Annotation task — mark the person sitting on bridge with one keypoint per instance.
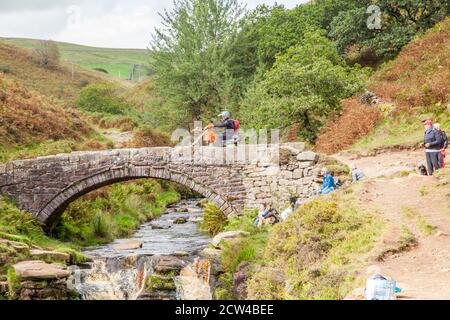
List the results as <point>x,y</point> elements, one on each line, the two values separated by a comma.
<point>328,182</point>
<point>230,135</point>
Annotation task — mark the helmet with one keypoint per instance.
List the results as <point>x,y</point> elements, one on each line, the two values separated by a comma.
<point>225,115</point>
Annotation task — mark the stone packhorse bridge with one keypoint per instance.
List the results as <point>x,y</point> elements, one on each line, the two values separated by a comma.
<point>47,185</point>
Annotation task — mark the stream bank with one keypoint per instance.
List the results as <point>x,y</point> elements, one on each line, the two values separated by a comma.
<point>166,259</point>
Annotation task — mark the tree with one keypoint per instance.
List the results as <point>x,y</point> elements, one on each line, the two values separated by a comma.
<point>46,54</point>
<point>400,21</point>
<point>304,86</point>
<point>190,56</point>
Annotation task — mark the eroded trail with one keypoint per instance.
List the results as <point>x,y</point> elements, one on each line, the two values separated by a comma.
<point>415,250</point>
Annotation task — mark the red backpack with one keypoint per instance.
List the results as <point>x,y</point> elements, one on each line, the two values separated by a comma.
<point>237,125</point>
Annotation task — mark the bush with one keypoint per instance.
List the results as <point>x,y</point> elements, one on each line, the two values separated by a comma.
<point>214,220</point>
<point>101,70</point>
<point>102,98</point>
<point>5,69</point>
<point>17,221</point>
<point>46,54</point>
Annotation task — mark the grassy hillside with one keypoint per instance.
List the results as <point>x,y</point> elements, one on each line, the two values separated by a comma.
<point>15,64</point>
<point>412,87</point>
<point>118,62</point>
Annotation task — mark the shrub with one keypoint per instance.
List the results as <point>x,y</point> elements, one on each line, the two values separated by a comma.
<point>214,220</point>
<point>5,69</point>
<point>17,221</point>
<point>102,98</point>
<point>147,137</point>
<point>46,54</point>
<point>101,70</point>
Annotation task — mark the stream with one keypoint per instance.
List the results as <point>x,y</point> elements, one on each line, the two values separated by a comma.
<point>165,249</point>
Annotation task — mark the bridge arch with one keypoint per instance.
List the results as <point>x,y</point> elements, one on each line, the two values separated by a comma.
<point>53,210</point>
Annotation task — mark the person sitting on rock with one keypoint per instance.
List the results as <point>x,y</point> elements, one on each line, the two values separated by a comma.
<point>328,182</point>
<point>262,211</point>
<point>357,174</point>
<point>269,217</point>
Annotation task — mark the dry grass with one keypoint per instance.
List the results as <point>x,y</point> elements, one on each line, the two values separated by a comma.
<point>145,138</point>
<point>28,117</point>
<point>56,82</point>
<point>416,82</point>
<point>355,121</point>
<point>420,75</point>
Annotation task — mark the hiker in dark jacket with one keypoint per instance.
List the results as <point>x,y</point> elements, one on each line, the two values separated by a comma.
<point>228,124</point>
<point>432,142</point>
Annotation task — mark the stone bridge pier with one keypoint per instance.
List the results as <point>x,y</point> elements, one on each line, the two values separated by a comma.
<point>232,178</point>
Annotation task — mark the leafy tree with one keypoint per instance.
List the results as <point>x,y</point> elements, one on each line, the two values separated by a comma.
<point>103,98</point>
<point>190,56</point>
<point>400,21</point>
<point>304,86</point>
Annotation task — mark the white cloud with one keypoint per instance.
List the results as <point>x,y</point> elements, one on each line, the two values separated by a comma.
<point>103,23</point>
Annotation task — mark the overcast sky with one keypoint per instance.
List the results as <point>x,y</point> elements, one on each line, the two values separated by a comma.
<point>101,23</point>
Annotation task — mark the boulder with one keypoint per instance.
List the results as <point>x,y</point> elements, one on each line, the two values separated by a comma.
<point>160,227</point>
<point>4,288</point>
<point>128,245</point>
<point>211,254</point>
<point>228,236</point>
<point>42,254</point>
<point>16,246</point>
<point>40,270</point>
<point>169,264</point>
<point>308,156</point>
<point>181,220</point>
<point>240,278</point>
<point>293,148</point>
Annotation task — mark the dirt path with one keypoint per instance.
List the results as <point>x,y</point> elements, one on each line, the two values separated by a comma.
<point>119,138</point>
<point>411,204</point>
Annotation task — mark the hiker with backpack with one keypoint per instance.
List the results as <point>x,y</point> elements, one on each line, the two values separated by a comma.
<point>444,144</point>
<point>231,133</point>
<point>433,142</point>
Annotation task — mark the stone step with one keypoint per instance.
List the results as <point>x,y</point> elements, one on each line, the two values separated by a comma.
<point>159,296</point>
<point>42,254</point>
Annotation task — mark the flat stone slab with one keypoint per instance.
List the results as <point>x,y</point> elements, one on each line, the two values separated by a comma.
<point>128,245</point>
<point>211,254</point>
<point>39,270</point>
<point>42,254</point>
<point>227,236</point>
<point>308,156</point>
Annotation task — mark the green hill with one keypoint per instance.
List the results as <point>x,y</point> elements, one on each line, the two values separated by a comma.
<point>117,62</point>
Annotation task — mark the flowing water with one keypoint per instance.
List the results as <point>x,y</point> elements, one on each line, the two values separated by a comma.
<point>118,270</point>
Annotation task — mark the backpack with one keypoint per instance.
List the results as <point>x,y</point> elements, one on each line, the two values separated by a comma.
<point>445,138</point>
<point>237,125</point>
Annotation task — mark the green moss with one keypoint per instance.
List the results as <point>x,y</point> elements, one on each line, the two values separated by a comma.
<point>14,283</point>
<point>159,283</point>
